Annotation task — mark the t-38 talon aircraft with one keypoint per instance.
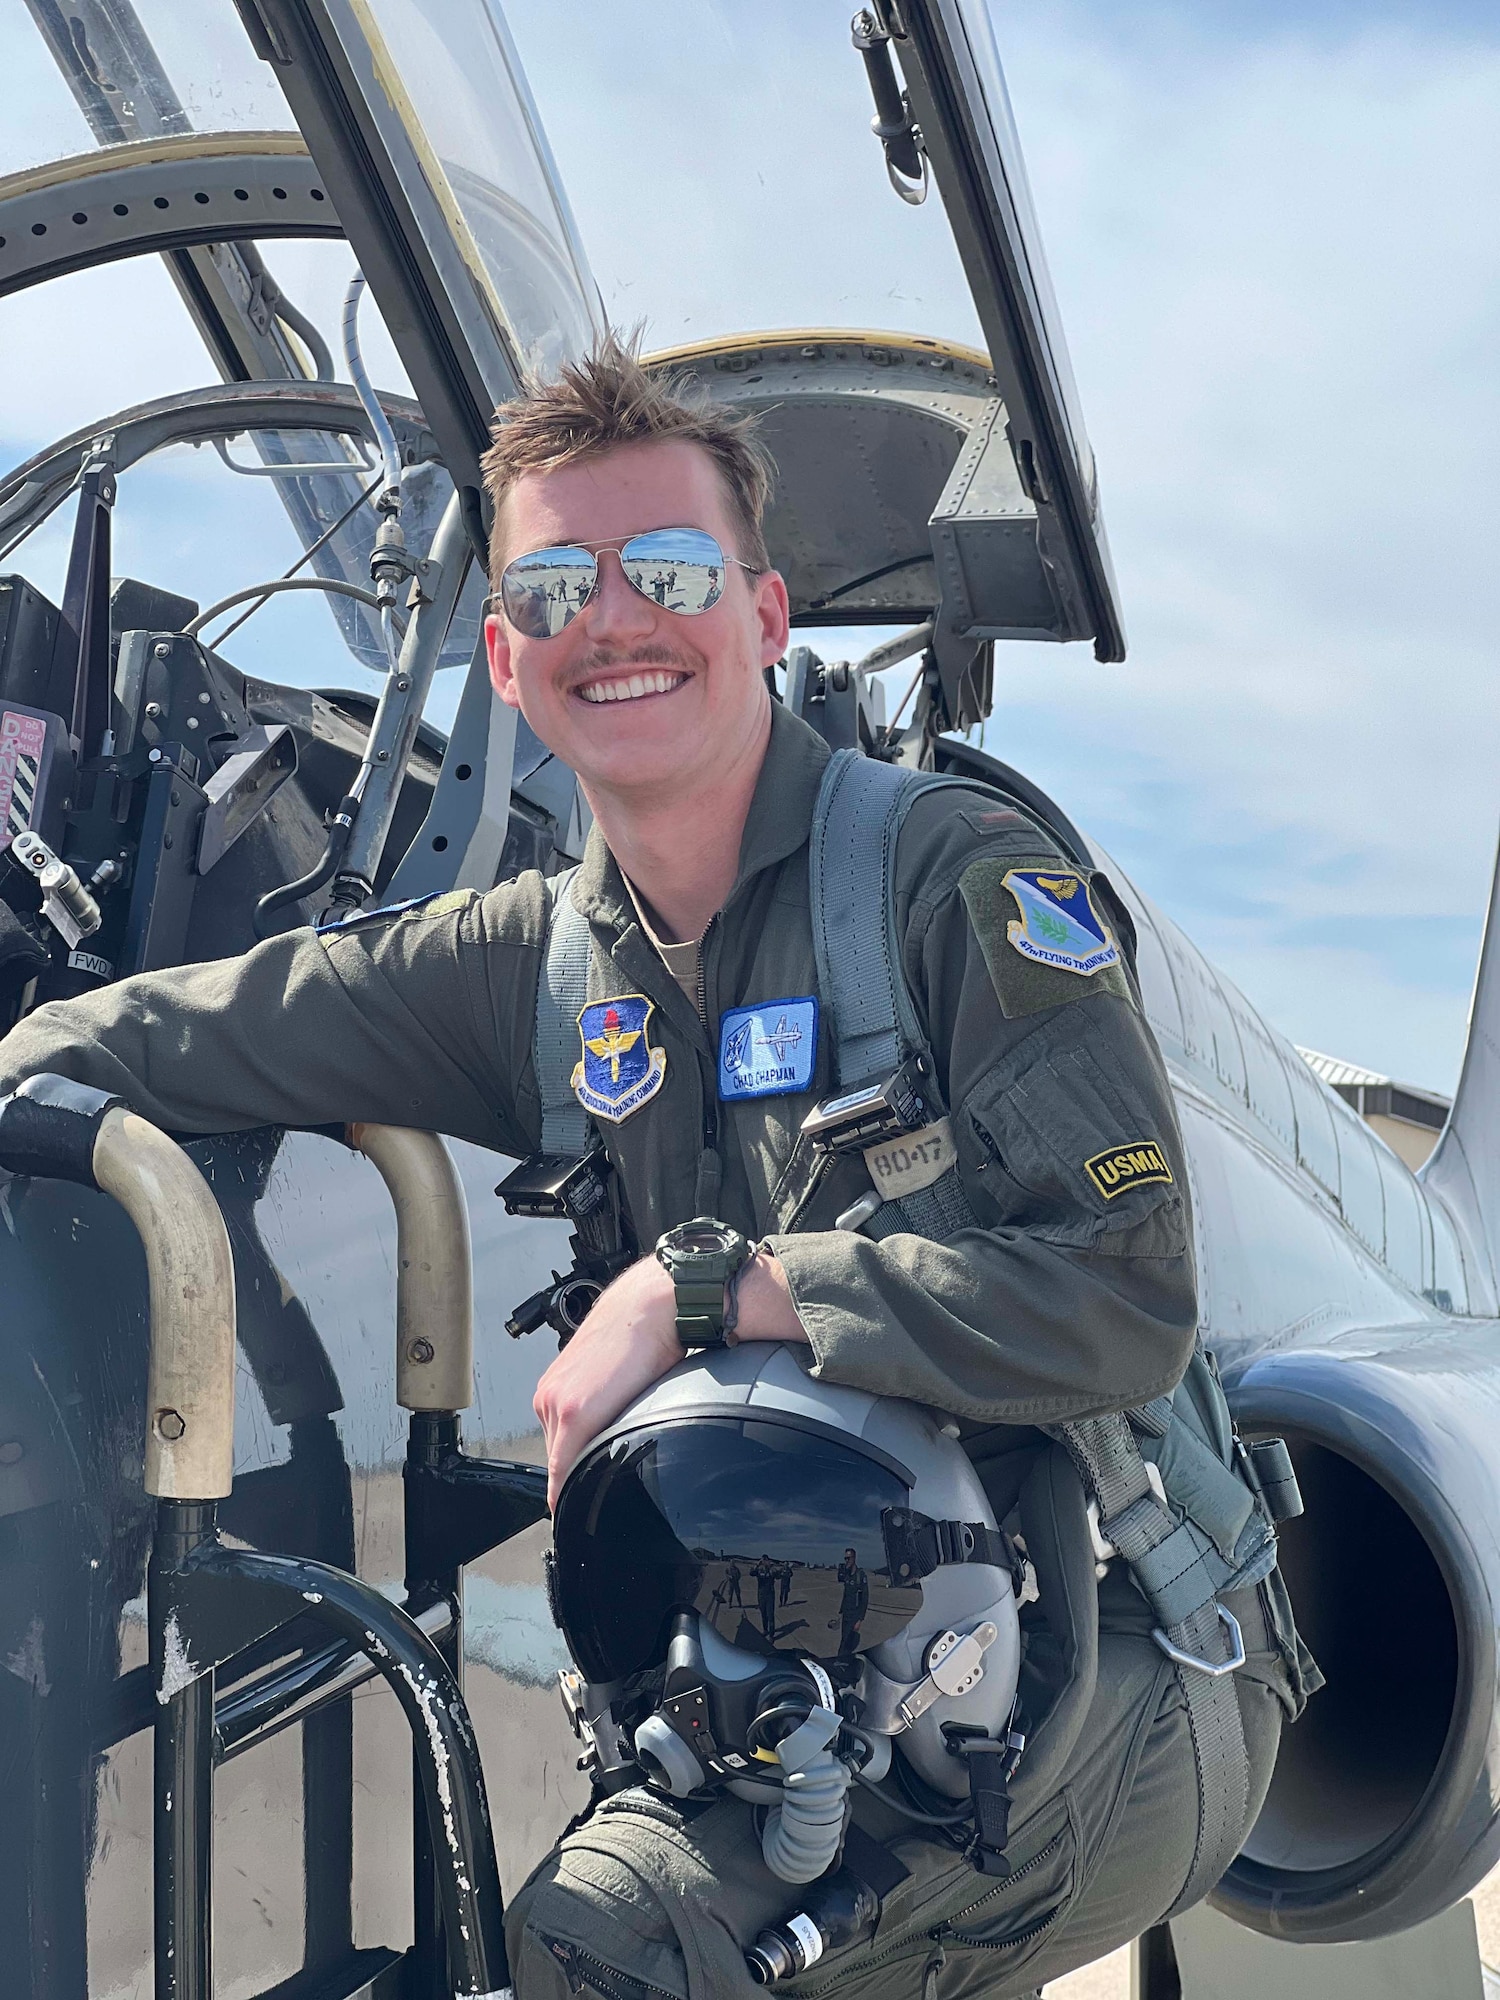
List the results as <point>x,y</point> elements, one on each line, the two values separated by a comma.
<point>936,481</point>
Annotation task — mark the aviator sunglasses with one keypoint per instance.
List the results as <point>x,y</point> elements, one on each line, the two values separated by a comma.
<point>681,569</point>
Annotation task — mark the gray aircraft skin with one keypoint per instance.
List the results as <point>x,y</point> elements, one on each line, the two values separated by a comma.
<point>1351,1305</point>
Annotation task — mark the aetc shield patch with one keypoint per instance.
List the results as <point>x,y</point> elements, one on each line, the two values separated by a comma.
<point>769,1050</point>
<point>620,1070</point>
<point>1059,924</point>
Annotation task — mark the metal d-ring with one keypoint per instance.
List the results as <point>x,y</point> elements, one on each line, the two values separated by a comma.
<point>1215,1669</point>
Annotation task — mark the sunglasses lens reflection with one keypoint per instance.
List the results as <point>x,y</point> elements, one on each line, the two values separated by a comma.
<point>681,569</point>
<point>544,591</point>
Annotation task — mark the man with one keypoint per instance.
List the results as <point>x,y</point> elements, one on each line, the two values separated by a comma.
<point>765,1596</point>
<point>854,1601</point>
<point>1063,1301</point>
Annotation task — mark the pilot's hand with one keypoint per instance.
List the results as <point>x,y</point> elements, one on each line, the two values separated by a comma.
<point>625,1344</point>
<point>628,1342</point>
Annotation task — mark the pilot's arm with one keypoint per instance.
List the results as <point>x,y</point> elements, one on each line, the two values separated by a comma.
<point>1075,1293</point>
<point>419,1017</point>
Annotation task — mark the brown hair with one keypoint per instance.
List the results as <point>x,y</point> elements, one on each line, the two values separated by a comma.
<point>609,399</point>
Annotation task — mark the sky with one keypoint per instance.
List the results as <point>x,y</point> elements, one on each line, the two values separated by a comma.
<point>1272,235</point>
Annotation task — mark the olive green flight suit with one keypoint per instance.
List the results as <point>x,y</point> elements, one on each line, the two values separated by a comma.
<point>1073,1297</point>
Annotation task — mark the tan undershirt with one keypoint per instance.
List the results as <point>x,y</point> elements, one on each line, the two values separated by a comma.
<point>681,960</point>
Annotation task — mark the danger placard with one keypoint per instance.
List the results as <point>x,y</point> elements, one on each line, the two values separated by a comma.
<point>23,738</point>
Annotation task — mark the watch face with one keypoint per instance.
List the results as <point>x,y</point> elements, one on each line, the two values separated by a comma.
<point>700,1238</point>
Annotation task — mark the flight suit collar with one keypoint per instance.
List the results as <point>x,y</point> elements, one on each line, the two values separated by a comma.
<point>776,825</point>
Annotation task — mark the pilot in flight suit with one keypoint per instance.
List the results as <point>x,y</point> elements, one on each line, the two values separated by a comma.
<point>1070,1295</point>
<point>1067,1301</point>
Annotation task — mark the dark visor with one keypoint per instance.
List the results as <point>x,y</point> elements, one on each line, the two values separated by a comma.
<point>774,1535</point>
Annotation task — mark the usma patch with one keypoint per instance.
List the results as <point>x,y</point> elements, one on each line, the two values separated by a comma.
<point>769,1050</point>
<point>1059,925</point>
<point>1125,1167</point>
<point>620,1070</point>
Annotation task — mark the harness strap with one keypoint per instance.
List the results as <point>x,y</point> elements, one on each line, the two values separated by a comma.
<point>860,809</point>
<point>936,1212</point>
<point>990,1766</point>
<point>861,804</point>
<point>851,854</point>
<point>1142,1530</point>
<point>561,995</point>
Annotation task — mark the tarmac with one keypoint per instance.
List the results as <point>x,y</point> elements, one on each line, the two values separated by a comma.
<point>1109,1978</point>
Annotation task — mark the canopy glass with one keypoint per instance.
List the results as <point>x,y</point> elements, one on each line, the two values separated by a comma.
<point>720,160</point>
<point>457,85</point>
<point>727,181</point>
<point>100,72</point>
<point>725,177</point>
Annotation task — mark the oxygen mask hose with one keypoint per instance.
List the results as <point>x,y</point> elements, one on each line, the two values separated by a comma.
<point>802,1834</point>
<point>340,826</point>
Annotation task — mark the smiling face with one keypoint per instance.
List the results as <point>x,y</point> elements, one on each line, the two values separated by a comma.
<point>634,697</point>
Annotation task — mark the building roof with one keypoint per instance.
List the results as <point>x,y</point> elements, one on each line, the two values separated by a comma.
<point>1410,1101</point>
<point>1335,1072</point>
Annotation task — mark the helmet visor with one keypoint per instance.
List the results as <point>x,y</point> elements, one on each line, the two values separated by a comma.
<point>774,1535</point>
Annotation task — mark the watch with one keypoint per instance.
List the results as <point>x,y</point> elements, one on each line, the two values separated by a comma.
<point>703,1258</point>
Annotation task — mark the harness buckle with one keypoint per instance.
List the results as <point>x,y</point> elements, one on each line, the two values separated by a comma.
<point>557,1187</point>
<point>904,1101</point>
<point>1215,1669</point>
<point>1104,1549</point>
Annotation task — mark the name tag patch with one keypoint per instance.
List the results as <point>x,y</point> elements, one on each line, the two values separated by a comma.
<point>1125,1167</point>
<point>914,1161</point>
<point>620,1070</point>
<point>769,1050</point>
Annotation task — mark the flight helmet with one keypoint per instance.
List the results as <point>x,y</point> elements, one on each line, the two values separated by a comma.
<point>753,1520</point>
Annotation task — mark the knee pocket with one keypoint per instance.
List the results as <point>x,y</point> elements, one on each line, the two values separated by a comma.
<point>949,1931</point>
<point>588,1922</point>
<point>628,1899</point>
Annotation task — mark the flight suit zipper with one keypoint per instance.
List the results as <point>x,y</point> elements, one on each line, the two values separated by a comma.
<point>939,1933</point>
<point>581,1969</point>
<point>702,974</point>
<point>709,1178</point>
<point>820,1167</point>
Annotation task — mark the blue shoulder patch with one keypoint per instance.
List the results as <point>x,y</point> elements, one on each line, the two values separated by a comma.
<point>769,1050</point>
<point>1059,925</point>
<point>620,1069</point>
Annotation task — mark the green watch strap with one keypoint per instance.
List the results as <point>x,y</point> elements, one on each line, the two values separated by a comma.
<point>701,1273</point>
<point>700,1310</point>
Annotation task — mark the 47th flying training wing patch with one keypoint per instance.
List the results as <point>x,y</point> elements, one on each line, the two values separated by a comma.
<point>1044,939</point>
<point>1059,924</point>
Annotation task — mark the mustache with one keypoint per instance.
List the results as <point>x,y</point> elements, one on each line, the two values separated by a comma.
<point>600,659</point>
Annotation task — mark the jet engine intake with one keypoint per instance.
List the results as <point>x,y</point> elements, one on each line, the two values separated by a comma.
<point>1380,1812</point>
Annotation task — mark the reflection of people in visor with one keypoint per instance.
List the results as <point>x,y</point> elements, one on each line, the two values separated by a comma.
<point>786,1582</point>
<point>854,1603</point>
<point>765,1592</point>
<point>733,1581</point>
